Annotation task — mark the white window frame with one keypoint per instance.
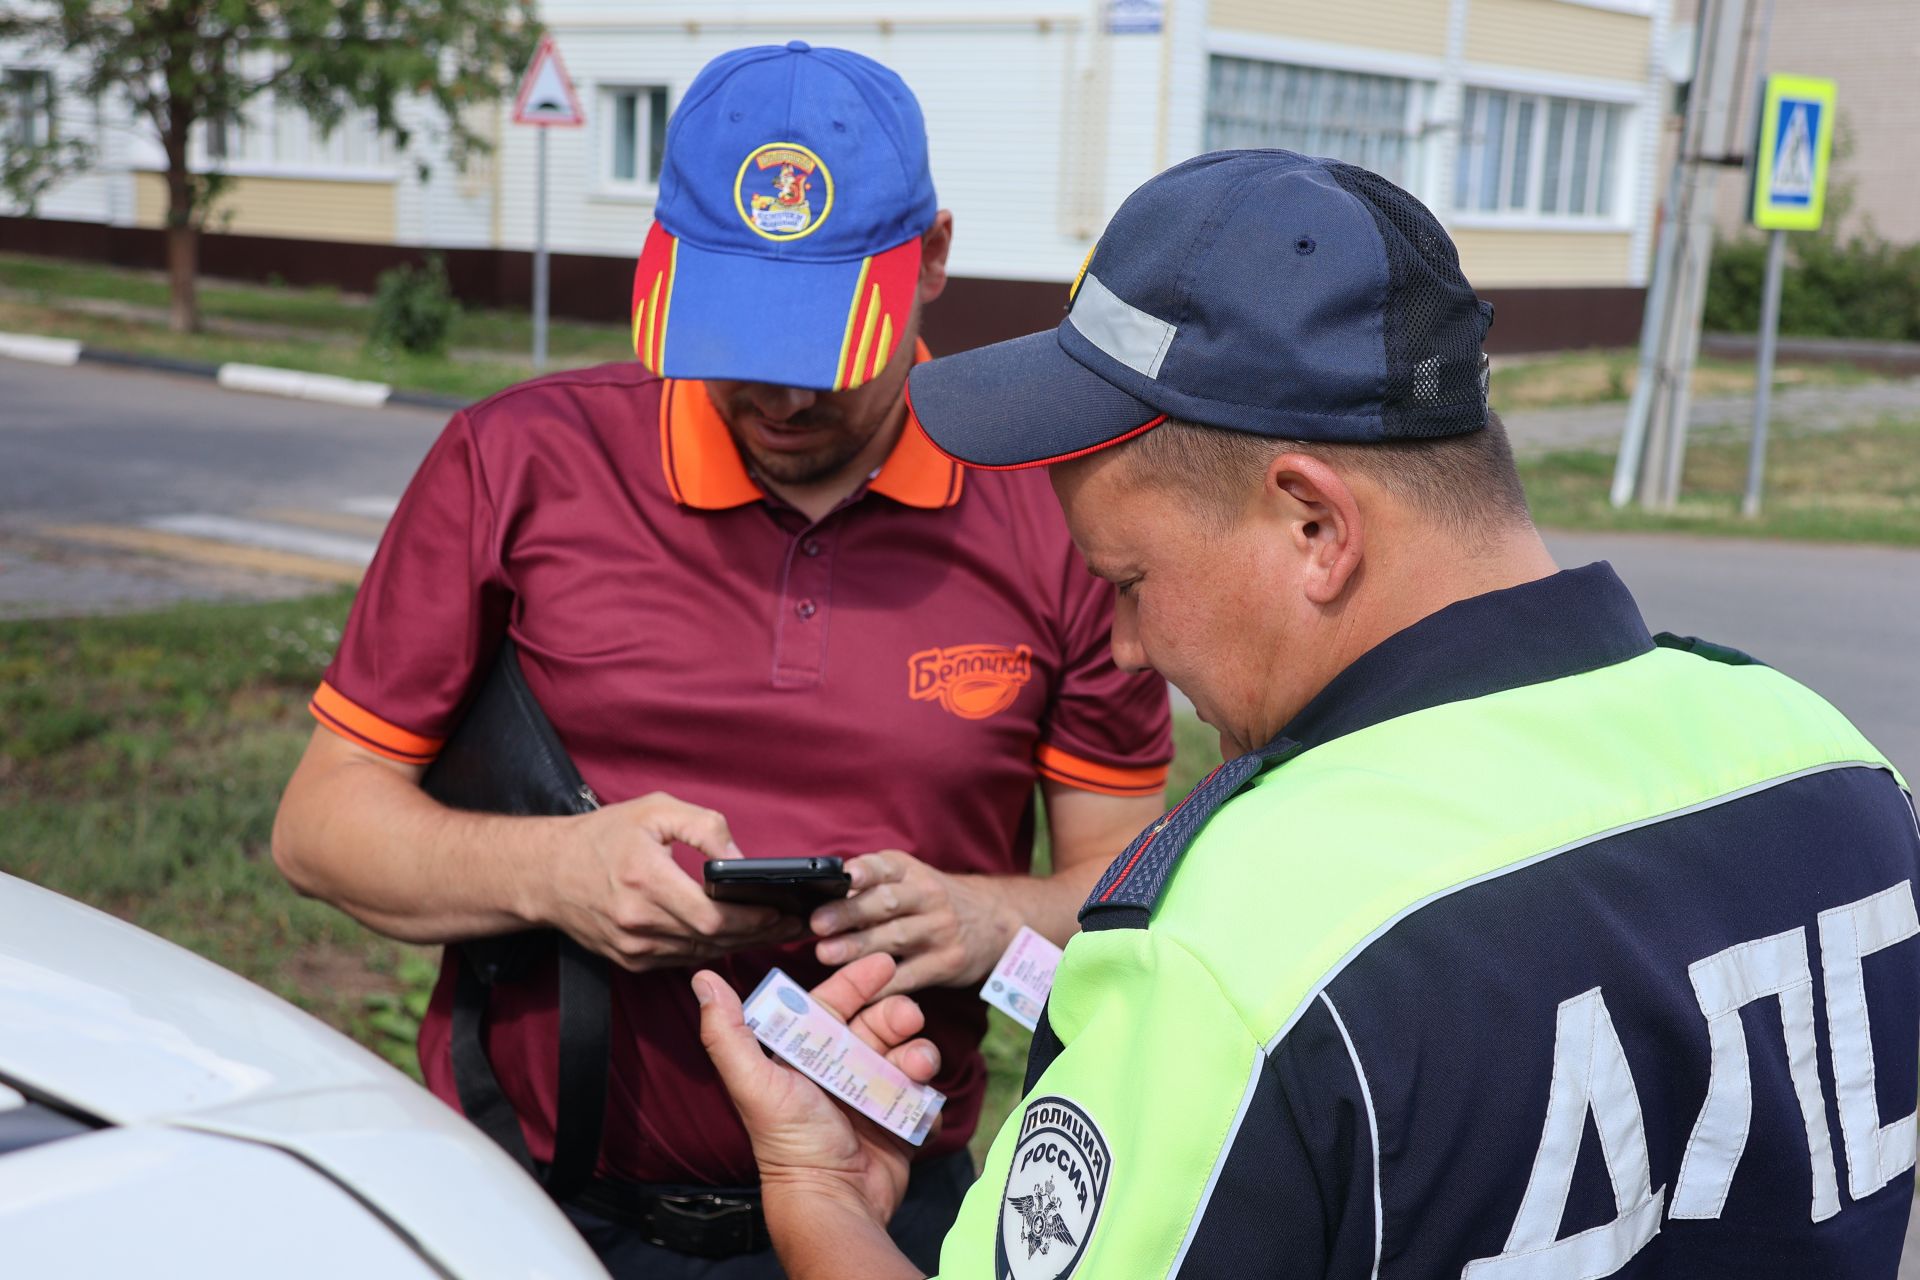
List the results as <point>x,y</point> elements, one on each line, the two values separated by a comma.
<point>1616,217</point>
<point>644,186</point>
<point>1640,8</point>
<point>1421,75</point>
<point>258,145</point>
<point>270,138</point>
<point>43,114</point>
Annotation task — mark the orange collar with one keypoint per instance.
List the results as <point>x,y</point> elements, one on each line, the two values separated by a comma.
<point>704,469</point>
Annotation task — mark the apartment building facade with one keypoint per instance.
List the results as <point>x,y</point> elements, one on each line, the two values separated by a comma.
<point>1532,127</point>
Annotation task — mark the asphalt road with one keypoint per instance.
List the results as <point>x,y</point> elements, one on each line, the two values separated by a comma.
<point>122,489</point>
<point>1844,621</point>
<point>94,443</point>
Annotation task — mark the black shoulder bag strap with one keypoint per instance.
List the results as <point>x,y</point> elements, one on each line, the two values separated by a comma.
<point>506,758</point>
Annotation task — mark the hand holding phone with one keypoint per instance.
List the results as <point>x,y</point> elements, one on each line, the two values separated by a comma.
<point>793,886</point>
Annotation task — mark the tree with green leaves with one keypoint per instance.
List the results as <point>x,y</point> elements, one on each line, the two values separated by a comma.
<point>182,64</point>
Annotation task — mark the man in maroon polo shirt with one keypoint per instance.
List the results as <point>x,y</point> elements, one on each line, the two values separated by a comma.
<point>765,615</point>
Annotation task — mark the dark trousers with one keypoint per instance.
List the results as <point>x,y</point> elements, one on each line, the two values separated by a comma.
<point>934,1192</point>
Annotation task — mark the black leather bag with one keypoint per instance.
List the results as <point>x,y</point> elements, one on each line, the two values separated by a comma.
<point>506,758</point>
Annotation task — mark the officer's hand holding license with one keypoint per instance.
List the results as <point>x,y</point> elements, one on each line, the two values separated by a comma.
<point>617,890</point>
<point>945,930</point>
<point>811,1150</point>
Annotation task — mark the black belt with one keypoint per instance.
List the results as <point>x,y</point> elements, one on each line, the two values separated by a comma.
<point>704,1222</point>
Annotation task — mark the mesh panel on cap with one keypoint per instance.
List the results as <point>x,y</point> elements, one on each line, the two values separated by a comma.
<point>1433,321</point>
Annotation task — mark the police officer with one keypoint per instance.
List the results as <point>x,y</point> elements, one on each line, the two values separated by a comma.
<point>1511,941</point>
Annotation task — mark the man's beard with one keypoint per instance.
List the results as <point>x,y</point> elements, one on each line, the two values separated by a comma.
<point>838,449</point>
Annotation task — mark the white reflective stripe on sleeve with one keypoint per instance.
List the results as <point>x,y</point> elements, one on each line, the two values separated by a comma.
<point>1723,983</point>
<point>1128,334</point>
<point>1875,1155</point>
<point>1373,1127</point>
<point>1590,1072</point>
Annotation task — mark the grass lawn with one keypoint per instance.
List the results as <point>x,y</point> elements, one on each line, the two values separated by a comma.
<point>1592,377</point>
<point>467,380</point>
<point>57,298</point>
<point>1854,485</point>
<point>323,309</point>
<point>141,758</point>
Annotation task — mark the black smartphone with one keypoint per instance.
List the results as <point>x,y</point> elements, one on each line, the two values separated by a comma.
<point>793,885</point>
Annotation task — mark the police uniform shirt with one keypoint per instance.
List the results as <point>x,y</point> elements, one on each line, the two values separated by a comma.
<point>1534,947</point>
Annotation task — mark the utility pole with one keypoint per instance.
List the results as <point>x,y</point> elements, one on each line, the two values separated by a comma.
<point>1654,443</point>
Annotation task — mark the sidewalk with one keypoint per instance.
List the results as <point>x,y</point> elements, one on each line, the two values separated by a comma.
<point>1588,426</point>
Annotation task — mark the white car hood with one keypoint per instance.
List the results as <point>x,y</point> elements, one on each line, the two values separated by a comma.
<point>113,1021</point>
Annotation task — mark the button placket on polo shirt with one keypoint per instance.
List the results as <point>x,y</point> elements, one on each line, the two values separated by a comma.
<point>802,612</point>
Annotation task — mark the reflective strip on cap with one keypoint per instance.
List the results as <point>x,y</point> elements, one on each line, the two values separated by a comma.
<point>1122,330</point>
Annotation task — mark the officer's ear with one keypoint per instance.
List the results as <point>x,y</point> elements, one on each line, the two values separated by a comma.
<point>933,256</point>
<point>1322,523</point>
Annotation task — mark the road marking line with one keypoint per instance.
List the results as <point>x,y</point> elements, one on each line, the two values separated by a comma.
<point>377,505</point>
<point>268,537</point>
<point>27,346</point>
<point>331,521</point>
<point>303,386</point>
<point>206,551</point>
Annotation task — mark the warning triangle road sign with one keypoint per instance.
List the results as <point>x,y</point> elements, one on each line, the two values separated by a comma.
<point>546,95</point>
<point>1793,162</point>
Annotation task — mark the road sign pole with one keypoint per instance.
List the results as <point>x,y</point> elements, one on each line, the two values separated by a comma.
<point>546,101</point>
<point>1763,374</point>
<point>540,256</point>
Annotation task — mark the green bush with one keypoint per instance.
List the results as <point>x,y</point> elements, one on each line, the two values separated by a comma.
<point>413,310</point>
<point>1861,287</point>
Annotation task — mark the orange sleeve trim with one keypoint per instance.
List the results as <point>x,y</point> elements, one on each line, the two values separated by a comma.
<point>356,724</point>
<point>1065,767</point>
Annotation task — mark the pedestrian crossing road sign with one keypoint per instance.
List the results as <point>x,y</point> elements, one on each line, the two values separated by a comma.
<point>1790,153</point>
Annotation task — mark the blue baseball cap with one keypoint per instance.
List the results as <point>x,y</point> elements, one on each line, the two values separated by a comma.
<point>1257,291</point>
<point>785,246</point>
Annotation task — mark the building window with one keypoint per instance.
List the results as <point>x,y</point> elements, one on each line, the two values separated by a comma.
<point>636,134</point>
<point>1525,154</point>
<point>275,138</point>
<point>28,115</point>
<point>1368,120</point>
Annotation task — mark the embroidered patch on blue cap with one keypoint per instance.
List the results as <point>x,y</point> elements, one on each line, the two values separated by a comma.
<point>783,191</point>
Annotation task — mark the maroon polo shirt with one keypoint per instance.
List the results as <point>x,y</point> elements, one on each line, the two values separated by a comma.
<point>897,674</point>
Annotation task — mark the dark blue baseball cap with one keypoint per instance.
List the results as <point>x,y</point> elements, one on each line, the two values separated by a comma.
<point>786,242</point>
<point>1259,291</point>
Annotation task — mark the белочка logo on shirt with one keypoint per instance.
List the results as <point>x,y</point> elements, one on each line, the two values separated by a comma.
<point>973,681</point>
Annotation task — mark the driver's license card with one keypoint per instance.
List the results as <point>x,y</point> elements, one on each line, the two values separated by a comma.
<point>1019,984</point>
<point>789,1021</point>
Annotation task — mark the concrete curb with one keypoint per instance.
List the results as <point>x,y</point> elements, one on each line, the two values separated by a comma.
<point>302,386</point>
<point>1880,356</point>
<point>297,384</point>
<point>25,346</point>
